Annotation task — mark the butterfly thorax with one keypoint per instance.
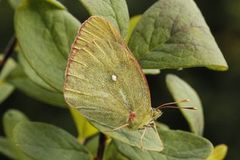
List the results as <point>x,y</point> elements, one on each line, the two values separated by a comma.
<point>156,113</point>
<point>140,121</point>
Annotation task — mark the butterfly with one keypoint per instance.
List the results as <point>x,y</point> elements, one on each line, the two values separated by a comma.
<point>105,83</point>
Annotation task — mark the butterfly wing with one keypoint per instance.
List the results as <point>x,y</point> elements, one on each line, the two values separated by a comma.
<point>104,82</point>
<point>96,28</point>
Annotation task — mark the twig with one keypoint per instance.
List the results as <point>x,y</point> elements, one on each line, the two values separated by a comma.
<point>8,51</point>
<point>101,146</point>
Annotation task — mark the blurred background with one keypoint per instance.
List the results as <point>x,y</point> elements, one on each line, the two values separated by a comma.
<point>219,91</point>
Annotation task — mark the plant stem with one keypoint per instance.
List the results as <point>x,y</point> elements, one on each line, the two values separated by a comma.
<point>8,51</point>
<point>101,146</point>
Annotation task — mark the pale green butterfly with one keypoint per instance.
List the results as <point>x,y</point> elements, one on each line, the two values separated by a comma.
<point>105,83</point>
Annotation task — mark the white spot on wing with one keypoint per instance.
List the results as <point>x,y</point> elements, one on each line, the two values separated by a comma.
<point>114,77</point>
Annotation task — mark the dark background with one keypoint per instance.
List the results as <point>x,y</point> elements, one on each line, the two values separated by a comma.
<point>219,91</point>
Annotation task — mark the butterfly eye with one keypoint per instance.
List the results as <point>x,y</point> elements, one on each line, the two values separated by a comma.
<point>114,77</point>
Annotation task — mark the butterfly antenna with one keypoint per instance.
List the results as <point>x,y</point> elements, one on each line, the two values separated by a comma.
<point>171,105</point>
<point>191,108</point>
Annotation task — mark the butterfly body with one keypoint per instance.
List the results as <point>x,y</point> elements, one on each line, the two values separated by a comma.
<point>135,122</point>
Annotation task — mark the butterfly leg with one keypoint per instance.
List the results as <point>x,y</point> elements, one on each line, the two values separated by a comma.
<point>155,127</point>
<point>142,136</point>
<point>120,127</point>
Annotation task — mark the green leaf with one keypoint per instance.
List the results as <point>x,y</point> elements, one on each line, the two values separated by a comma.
<point>115,11</point>
<point>181,90</point>
<point>178,145</point>
<point>14,3</point>
<point>132,24</point>
<point>174,34</point>
<point>111,153</point>
<point>10,119</point>
<point>45,32</point>
<point>151,71</point>
<point>6,88</point>
<point>31,73</point>
<point>8,67</point>
<point>46,142</point>
<point>162,126</point>
<point>151,140</point>
<point>85,129</point>
<point>219,152</point>
<point>20,80</point>
<point>6,148</point>
<point>92,144</point>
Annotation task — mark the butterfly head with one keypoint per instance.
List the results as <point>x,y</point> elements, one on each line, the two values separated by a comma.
<point>156,113</point>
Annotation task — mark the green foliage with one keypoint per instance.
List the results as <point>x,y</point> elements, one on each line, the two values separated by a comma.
<point>50,40</point>
<point>177,145</point>
<point>181,90</point>
<point>10,119</point>
<point>85,129</point>
<point>91,144</point>
<point>171,34</point>
<point>219,152</point>
<point>151,140</point>
<point>14,3</point>
<point>132,25</point>
<point>6,88</point>
<point>20,80</point>
<point>46,142</point>
<point>112,153</point>
<point>151,71</point>
<point>6,148</point>
<point>115,11</point>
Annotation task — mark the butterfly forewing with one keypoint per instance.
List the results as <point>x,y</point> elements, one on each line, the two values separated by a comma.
<point>105,83</point>
<point>96,28</point>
